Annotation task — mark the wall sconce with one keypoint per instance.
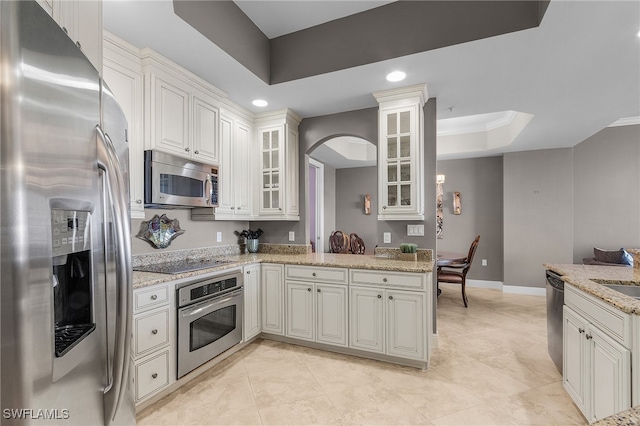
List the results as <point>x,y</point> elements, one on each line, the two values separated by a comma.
<point>457,208</point>
<point>367,204</point>
<point>439,178</point>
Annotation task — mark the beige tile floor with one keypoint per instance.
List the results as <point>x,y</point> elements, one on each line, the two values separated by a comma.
<point>491,368</point>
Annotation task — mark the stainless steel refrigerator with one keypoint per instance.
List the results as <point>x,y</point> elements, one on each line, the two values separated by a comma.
<point>65,289</point>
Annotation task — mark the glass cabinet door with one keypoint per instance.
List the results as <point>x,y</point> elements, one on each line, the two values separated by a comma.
<point>271,169</point>
<point>398,159</point>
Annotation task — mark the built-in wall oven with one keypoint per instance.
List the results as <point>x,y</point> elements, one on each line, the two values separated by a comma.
<point>209,319</point>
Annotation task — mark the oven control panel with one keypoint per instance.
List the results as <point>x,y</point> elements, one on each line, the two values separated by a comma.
<point>206,289</point>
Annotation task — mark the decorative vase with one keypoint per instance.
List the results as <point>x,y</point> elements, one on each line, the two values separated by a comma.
<point>252,245</point>
<point>408,256</point>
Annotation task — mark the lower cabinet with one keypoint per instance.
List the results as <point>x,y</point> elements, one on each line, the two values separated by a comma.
<point>317,312</point>
<point>386,321</point>
<point>151,346</point>
<point>251,326</point>
<point>272,298</point>
<point>596,367</point>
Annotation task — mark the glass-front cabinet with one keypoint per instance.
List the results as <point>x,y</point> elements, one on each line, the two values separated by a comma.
<point>271,170</point>
<point>401,154</point>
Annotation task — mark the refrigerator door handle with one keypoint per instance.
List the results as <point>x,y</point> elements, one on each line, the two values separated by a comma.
<point>116,188</point>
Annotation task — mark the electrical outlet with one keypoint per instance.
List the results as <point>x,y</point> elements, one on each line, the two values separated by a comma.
<point>218,237</point>
<point>292,235</point>
<point>484,262</point>
<point>387,237</point>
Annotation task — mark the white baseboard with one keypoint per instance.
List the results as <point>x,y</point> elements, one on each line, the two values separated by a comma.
<point>513,289</point>
<point>434,340</point>
<point>531,291</point>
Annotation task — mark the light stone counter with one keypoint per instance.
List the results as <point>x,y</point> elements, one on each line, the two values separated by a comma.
<point>583,276</point>
<point>356,261</point>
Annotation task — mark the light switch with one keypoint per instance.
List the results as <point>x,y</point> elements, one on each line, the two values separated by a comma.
<point>415,230</point>
<point>292,235</point>
<point>219,237</point>
<point>387,237</point>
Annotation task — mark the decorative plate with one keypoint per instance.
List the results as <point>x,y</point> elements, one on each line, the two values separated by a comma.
<point>159,231</point>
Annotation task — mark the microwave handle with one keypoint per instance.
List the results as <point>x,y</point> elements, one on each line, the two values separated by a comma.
<point>207,193</point>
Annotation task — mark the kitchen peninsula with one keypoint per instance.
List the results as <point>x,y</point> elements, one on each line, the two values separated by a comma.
<point>600,334</point>
<point>370,306</point>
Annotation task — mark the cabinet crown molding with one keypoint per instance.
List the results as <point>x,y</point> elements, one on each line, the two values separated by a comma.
<point>286,115</point>
<point>418,91</point>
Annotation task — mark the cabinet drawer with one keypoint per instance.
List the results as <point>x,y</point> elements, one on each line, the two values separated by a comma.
<point>612,321</point>
<point>317,274</point>
<point>150,331</point>
<point>388,279</point>
<point>151,375</point>
<point>152,297</point>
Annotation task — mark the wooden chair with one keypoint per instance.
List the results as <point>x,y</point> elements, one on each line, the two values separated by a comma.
<point>339,242</point>
<point>451,273</point>
<point>356,244</point>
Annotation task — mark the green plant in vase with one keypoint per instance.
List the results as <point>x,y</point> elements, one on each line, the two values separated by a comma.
<point>408,251</point>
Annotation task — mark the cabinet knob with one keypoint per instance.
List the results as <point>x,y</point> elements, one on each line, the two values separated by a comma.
<point>239,208</point>
<point>313,274</point>
<point>154,375</point>
<point>154,331</point>
<point>390,297</point>
<point>379,296</point>
<point>233,208</point>
<point>384,280</point>
<point>248,272</point>
<point>309,289</point>
<point>79,45</point>
<point>138,201</point>
<point>65,30</point>
<point>384,207</point>
<point>280,208</point>
<point>581,330</point>
<point>154,296</point>
<point>318,290</point>
<point>187,149</point>
<point>196,152</point>
<point>589,337</point>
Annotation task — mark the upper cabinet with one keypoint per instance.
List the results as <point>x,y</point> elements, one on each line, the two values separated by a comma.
<point>401,153</point>
<point>182,112</point>
<point>277,137</point>
<point>82,21</point>
<point>122,72</point>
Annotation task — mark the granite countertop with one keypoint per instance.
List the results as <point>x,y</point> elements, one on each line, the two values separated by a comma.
<point>630,417</point>
<point>356,261</point>
<point>584,277</point>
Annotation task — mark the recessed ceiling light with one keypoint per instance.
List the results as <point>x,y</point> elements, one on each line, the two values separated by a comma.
<point>396,76</point>
<point>638,34</point>
<point>260,103</point>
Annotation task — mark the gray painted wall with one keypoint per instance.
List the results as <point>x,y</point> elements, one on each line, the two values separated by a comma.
<point>538,214</point>
<point>350,187</point>
<point>329,204</point>
<point>479,181</point>
<point>606,172</point>
<point>197,234</point>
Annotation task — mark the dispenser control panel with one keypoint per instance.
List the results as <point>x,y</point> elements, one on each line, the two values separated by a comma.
<point>70,231</point>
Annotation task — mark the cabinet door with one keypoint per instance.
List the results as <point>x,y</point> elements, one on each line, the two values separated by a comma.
<point>574,358</point>
<point>47,5</point>
<point>273,298</point>
<point>226,184</point>
<point>366,323</point>
<point>205,130</point>
<point>406,324</point>
<point>331,314</point>
<point>292,172</point>
<point>241,162</point>
<point>610,375</point>
<point>299,318</point>
<point>126,85</point>
<point>171,118</point>
<point>251,326</point>
<point>88,32</point>
<point>271,166</point>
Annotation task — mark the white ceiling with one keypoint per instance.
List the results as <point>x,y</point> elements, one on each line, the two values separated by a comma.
<point>576,74</point>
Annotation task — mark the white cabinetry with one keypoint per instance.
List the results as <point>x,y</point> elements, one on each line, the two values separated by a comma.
<point>277,137</point>
<point>182,112</point>
<point>401,153</point>
<point>122,71</point>
<point>251,326</point>
<point>386,319</point>
<point>316,304</point>
<point>153,341</point>
<point>596,358</point>
<point>272,298</point>
<point>82,21</point>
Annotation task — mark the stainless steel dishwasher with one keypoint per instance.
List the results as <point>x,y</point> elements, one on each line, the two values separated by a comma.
<point>555,302</point>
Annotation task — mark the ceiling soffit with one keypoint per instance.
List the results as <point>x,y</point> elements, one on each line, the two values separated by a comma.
<point>390,31</point>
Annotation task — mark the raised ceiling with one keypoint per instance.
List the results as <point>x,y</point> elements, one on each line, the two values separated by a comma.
<point>576,73</point>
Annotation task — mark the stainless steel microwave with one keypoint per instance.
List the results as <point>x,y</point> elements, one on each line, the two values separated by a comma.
<point>174,182</point>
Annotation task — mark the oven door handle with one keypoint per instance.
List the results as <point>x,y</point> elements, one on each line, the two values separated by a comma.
<point>207,304</point>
